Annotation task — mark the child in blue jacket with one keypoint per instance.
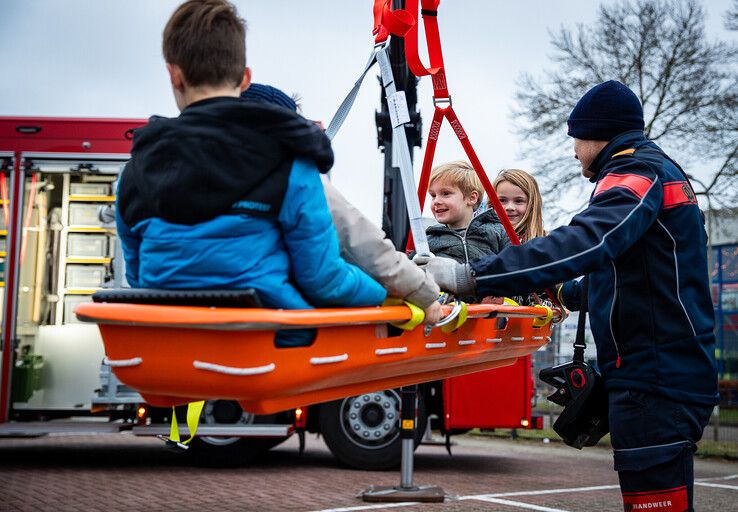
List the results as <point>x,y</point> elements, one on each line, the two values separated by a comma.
<point>228,194</point>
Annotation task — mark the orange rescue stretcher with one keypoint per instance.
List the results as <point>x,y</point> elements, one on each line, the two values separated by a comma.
<point>175,354</point>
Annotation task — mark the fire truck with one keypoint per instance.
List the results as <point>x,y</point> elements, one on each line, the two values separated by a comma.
<point>58,246</point>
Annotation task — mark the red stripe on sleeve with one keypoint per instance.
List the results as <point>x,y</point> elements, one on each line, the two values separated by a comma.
<point>678,193</point>
<point>636,183</point>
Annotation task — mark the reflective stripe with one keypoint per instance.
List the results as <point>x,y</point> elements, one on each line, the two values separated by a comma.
<point>678,193</point>
<point>676,275</point>
<point>636,183</point>
<point>675,443</point>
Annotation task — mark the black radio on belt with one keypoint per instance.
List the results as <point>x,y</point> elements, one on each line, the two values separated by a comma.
<point>580,391</point>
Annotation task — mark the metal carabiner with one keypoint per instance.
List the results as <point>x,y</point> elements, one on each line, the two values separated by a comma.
<point>445,320</point>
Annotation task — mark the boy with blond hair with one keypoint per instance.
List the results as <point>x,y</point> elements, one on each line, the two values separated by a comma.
<point>228,194</point>
<point>463,233</point>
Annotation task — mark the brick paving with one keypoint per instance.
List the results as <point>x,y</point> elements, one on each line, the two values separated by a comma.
<point>120,472</point>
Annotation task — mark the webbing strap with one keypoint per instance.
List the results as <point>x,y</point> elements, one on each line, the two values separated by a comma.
<point>194,409</point>
<point>580,342</point>
<point>441,97</point>
<point>343,110</point>
<point>417,315</point>
<point>540,322</point>
<point>447,112</point>
<point>387,21</point>
<point>399,117</point>
<point>433,41</point>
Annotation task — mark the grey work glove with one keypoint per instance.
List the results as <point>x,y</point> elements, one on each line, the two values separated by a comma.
<point>451,276</point>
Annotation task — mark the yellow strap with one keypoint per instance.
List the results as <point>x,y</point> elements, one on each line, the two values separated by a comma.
<point>509,302</point>
<point>463,314</point>
<point>194,409</point>
<point>540,322</point>
<point>624,152</point>
<point>417,315</point>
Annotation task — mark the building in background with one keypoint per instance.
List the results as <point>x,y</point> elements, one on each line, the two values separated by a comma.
<point>723,225</point>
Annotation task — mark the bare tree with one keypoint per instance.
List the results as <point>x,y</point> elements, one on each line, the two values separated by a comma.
<point>687,84</point>
<point>731,17</point>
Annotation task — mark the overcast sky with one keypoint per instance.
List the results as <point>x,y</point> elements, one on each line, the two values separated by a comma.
<point>102,58</point>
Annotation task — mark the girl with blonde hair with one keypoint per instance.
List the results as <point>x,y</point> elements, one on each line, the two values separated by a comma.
<point>520,197</point>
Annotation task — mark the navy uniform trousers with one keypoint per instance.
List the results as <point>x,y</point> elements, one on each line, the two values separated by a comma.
<point>654,440</point>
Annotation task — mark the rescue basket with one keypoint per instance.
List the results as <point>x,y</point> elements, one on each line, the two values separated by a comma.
<point>175,354</point>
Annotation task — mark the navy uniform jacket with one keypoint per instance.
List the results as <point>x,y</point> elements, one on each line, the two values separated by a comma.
<point>643,243</point>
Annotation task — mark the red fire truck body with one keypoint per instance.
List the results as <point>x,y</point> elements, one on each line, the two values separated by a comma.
<point>56,177</point>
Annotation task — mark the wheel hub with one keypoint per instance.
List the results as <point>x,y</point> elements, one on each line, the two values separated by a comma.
<point>371,420</point>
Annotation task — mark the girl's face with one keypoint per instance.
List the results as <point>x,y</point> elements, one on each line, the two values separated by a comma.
<point>514,201</point>
<point>449,206</point>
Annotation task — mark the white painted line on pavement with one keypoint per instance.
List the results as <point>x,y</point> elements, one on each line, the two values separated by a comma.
<point>370,507</point>
<point>729,477</point>
<point>721,486</point>
<point>495,498</point>
<point>546,491</point>
<point>519,504</point>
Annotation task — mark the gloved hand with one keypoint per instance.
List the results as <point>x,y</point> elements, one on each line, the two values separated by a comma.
<point>451,276</point>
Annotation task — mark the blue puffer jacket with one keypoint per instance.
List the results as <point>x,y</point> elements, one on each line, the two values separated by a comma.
<point>228,195</point>
<point>643,243</point>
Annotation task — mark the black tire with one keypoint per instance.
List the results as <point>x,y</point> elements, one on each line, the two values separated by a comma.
<point>230,451</point>
<point>364,441</point>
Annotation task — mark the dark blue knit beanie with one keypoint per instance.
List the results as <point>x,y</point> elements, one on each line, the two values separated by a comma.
<point>261,93</point>
<point>606,110</point>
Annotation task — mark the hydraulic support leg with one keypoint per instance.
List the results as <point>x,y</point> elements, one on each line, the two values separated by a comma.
<point>406,491</point>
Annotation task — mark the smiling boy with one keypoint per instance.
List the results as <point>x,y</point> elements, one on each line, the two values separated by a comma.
<point>462,233</point>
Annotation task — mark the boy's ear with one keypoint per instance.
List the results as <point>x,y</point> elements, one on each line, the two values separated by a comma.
<point>176,77</point>
<point>246,79</point>
<point>473,198</point>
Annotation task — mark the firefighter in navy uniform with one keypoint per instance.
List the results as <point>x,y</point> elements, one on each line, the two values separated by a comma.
<point>642,242</point>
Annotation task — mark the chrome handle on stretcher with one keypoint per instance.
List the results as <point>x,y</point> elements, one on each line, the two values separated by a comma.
<point>450,317</point>
<point>455,311</point>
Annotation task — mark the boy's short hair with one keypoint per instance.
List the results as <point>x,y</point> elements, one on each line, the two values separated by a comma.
<point>461,174</point>
<point>207,40</point>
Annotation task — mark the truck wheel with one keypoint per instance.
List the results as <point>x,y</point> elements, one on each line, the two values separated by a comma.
<point>210,451</point>
<point>363,431</point>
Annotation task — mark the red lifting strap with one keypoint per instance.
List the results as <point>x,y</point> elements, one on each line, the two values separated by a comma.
<point>429,12</point>
<point>440,96</point>
<point>387,21</point>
